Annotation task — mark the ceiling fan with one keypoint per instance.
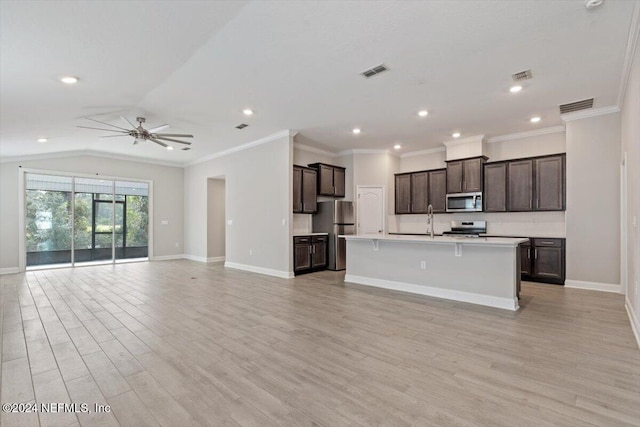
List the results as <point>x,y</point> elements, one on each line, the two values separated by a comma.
<point>141,134</point>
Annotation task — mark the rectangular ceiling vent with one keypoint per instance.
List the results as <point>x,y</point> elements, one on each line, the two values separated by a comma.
<point>522,75</point>
<point>375,70</point>
<point>242,126</point>
<point>576,106</point>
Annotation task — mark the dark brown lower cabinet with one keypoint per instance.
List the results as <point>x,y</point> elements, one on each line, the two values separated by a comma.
<point>543,260</point>
<point>309,253</point>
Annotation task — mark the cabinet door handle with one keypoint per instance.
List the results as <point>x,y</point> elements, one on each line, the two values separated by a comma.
<point>535,253</point>
<point>537,203</point>
<point>529,253</point>
<point>309,249</point>
<point>530,204</point>
<point>546,243</point>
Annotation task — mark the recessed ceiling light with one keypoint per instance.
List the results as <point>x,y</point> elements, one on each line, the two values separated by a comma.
<point>42,139</point>
<point>356,131</point>
<point>169,148</point>
<point>456,134</point>
<point>247,111</point>
<point>535,119</point>
<point>69,80</point>
<point>397,146</point>
<point>515,89</point>
<point>423,113</point>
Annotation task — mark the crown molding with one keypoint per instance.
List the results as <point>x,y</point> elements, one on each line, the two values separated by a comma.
<point>631,51</point>
<point>315,150</point>
<point>526,134</point>
<point>93,153</point>
<point>361,151</point>
<point>423,152</point>
<point>592,112</point>
<point>475,138</point>
<point>283,133</point>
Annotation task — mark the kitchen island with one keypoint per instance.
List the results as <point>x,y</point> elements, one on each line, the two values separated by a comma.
<point>482,270</point>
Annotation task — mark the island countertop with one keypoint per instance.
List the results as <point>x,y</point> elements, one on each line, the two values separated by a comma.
<point>440,240</point>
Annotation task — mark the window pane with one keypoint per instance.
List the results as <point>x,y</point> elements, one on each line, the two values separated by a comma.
<point>48,227</point>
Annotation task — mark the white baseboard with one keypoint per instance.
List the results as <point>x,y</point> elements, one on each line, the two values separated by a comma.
<point>9,270</point>
<point>594,286</point>
<point>497,302</point>
<point>260,270</point>
<point>167,257</point>
<point>635,323</point>
<point>194,258</point>
<point>216,259</point>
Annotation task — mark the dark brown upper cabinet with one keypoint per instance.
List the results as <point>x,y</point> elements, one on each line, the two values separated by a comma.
<point>535,184</point>
<point>416,190</point>
<point>419,192</point>
<point>465,176</point>
<point>550,183</point>
<point>403,193</point>
<point>438,190</point>
<point>520,185</point>
<point>331,179</point>
<point>495,187</point>
<point>304,190</point>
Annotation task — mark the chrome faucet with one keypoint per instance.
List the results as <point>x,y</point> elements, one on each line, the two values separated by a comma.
<point>430,220</point>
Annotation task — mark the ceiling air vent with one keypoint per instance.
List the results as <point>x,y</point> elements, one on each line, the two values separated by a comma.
<point>375,70</point>
<point>576,106</point>
<point>522,75</point>
<point>242,126</point>
<point>186,149</point>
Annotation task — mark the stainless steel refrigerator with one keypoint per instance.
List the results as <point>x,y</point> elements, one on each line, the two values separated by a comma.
<point>335,217</point>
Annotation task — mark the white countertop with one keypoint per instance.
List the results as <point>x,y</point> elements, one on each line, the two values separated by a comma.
<point>309,234</point>
<point>440,240</point>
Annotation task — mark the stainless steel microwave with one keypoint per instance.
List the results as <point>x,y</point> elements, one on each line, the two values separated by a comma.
<point>464,202</point>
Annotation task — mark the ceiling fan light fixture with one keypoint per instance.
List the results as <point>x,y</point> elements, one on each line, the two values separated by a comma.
<point>247,112</point>
<point>169,148</point>
<point>42,140</point>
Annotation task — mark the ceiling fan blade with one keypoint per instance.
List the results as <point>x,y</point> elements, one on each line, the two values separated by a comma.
<point>186,149</point>
<point>105,123</point>
<point>172,140</point>
<point>106,130</point>
<point>157,128</point>
<point>113,136</point>
<point>181,135</point>
<point>130,124</point>
<point>158,142</point>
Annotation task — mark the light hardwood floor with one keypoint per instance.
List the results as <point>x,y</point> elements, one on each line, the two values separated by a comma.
<point>180,343</point>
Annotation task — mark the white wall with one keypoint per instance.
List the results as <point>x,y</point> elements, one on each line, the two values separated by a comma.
<point>630,124</point>
<point>216,224</point>
<point>167,198</point>
<point>593,200</point>
<point>530,224</point>
<point>258,199</point>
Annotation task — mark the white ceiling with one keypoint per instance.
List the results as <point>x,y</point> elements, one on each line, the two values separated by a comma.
<point>197,64</point>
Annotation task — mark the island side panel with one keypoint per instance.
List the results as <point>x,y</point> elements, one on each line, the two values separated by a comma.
<point>485,275</point>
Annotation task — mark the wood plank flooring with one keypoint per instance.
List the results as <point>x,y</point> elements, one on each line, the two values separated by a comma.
<point>180,343</point>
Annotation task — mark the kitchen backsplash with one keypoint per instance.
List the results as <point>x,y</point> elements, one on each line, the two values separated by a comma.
<point>527,224</point>
<point>302,223</point>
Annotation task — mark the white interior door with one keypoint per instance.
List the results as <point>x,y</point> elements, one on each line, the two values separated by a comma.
<point>370,210</point>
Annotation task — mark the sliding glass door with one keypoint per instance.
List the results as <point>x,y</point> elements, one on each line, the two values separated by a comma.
<point>80,221</point>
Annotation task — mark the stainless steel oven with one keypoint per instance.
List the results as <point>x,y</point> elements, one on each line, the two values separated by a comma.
<point>464,202</point>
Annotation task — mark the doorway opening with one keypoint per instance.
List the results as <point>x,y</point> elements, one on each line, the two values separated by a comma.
<point>216,219</point>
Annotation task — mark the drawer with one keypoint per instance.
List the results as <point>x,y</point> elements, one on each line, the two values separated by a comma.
<point>316,239</point>
<point>551,243</point>
<point>300,240</point>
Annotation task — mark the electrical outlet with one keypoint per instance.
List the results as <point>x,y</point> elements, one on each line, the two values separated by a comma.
<point>250,251</point>
<point>423,265</point>
<point>635,222</point>
<point>177,244</point>
<point>230,222</point>
<point>164,222</point>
